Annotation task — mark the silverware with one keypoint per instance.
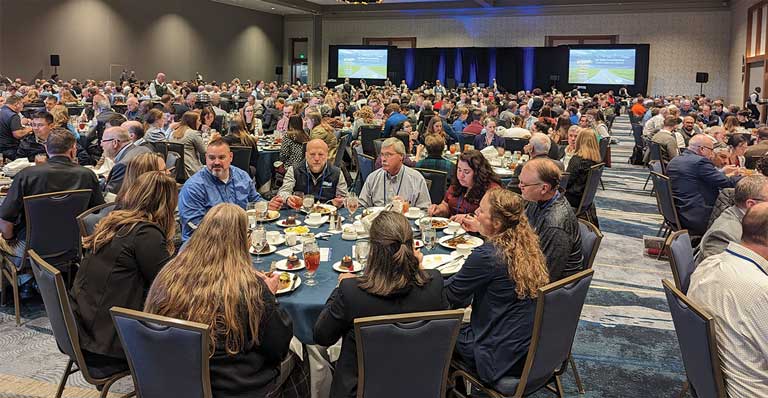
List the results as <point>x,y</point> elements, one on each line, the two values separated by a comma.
<point>449,262</point>
<point>293,282</point>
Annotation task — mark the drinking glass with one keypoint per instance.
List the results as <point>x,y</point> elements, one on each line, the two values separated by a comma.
<point>259,241</point>
<point>351,202</point>
<point>261,210</point>
<point>250,210</point>
<point>361,252</point>
<point>297,206</point>
<point>428,233</point>
<point>452,149</point>
<point>308,202</point>
<point>311,261</point>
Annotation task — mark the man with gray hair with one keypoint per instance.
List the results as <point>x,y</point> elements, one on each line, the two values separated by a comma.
<point>538,147</point>
<point>727,227</point>
<point>394,180</point>
<point>118,146</point>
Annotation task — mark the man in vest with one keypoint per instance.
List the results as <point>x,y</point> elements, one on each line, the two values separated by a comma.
<point>314,177</point>
<point>754,101</point>
<point>158,87</point>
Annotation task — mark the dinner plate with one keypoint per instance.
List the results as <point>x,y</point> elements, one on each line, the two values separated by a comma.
<point>296,285</point>
<point>456,232</point>
<point>442,220</point>
<point>299,230</point>
<point>368,211</point>
<point>281,223</point>
<point>412,217</point>
<point>280,240</point>
<point>432,261</point>
<point>503,171</point>
<point>321,208</point>
<point>471,240</point>
<point>357,267</point>
<point>282,265</point>
<point>271,250</point>
<point>272,215</point>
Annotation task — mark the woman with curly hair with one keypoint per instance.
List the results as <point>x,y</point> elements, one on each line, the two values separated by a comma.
<point>501,278</point>
<point>473,176</point>
<point>363,117</point>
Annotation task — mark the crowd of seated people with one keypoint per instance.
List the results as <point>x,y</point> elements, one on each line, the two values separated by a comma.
<point>529,222</point>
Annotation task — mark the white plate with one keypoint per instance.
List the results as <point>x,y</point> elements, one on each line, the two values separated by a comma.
<point>330,208</point>
<point>414,217</point>
<point>323,220</point>
<point>281,223</point>
<point>456,232</point>
<point>372,209</point>
<point>281,265</point>
<point>431,261</point>
<point>272,215</point>
<point>272,249</point>
<point>418,222</point>
<point>503,171</point>
<point>280,240</point>
<point>471,240</point>
<point>295,285</point>
<point>337,267</point>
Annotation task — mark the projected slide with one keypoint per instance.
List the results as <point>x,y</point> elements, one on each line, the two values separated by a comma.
<point>363,64</point>
<point>601,66</point>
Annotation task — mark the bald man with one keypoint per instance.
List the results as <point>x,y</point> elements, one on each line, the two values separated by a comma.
<point>158,87</point>
<point>696,182</point>
<point>313,177</point>
<point>118,146</point>
<point>733,287</point>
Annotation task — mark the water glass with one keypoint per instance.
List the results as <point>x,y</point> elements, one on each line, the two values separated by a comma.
<point>261,209</point>
<point>259,241</point>
<point>428,234</point>
<point>361,252</point>
<point>308,202</point>
<point>250,210</point>
<point>351,202</point>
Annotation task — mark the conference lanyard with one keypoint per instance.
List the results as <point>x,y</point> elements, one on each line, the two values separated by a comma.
<point>309,176</point>
<point>745,258</point>
<point>384,176</point>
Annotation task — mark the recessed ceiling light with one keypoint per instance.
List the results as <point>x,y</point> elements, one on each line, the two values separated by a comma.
<point>273,8</point>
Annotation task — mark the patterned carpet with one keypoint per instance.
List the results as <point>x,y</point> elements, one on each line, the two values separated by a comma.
<point>625,345</point>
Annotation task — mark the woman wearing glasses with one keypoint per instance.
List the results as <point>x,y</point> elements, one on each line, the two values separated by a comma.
<point>473,177</point>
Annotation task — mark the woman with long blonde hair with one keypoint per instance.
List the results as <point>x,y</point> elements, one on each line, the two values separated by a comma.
<point>502,278</point>
<point>123,255</point>
<point>144,163</point>
<point>587,155</point>
<point>187,133</point>
<point>212,282</point>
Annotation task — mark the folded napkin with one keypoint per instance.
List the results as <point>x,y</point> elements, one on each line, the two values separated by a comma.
<point>13,168</point>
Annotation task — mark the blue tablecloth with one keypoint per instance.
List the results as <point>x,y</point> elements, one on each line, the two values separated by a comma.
<point>305,303</point>
<point>264,170</point>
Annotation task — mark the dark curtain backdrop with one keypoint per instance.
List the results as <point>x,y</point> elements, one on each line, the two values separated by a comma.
<point>473,65</point>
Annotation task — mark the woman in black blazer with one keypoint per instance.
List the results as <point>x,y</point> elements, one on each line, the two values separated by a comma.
<point>126,251</point>
<point>587,154</point>
<point>393,283</point>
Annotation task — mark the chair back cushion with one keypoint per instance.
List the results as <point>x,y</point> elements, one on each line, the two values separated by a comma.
<point>590,189</point>
<point>241,157</point>
<point>165,360</point>
<point>590,242</point>
<point>91,217</point>
<point>696,336</point>
<point>377,146</point>
<point>515,144</point>
<point>557,315</point>
<point>57,212</point>
<point>343,144</point>
<point>666,201</point>
<point>56,302</point>
<point>681,259</point>
<point>364,167</point>
<point>367,135</point>
<point>405,359</point>
<point>604,143</point>
<point>439,184</point>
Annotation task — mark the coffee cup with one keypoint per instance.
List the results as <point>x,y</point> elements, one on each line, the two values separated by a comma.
<point>314,218</point>
<point>452,227</point>
<point>291,238</point>
<point>272,237</point>
<point>414,212</point>
<point>463,249</point>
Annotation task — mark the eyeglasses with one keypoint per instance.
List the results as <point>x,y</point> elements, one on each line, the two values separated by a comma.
<point>521,185</point>
<point>111,139</point>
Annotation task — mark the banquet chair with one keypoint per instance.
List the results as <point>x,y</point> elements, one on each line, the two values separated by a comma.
<point>590,242</point>
<point>365,166</point>
<point>751,161</point>
<point>168,357</point>
<point>439,184</point>
<point>241,158</point>
<point>367,135</point>
<point>466,139</point>
<point>88,219</point>
<point>695,331</point>
<point>56,211</point>
<point>590,191</point>
<point>558,308</point>
<point>666,203</point>
<point>377,146</point>
<point>405,355</point>
<point>515,144</point>
<point>681,259</point>
<point>344,141</point>
<point>605,155</point>
<point>656,163</point>
<point>65,331</point>
<point>564,179</point>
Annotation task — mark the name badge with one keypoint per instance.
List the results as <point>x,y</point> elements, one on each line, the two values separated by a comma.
<point>327,183</point>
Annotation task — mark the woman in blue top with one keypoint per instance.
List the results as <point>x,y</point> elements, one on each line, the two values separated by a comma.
<point>489,137</point>
<point>501,279</point>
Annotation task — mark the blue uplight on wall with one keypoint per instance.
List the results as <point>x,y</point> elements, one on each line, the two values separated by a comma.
<point>458,68</point>
<point>473,70</point>
<point>410,67</point>
<point>491,66</point>
<point>528,68</point>
<point>441,67</point>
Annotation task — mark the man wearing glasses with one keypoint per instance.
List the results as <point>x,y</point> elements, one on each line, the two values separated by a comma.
<point>551,217</point>
<point>696,182</point>
<point>118,147</point>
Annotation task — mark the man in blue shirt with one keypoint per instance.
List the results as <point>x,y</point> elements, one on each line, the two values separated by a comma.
<point>394,119</point>
<point>218,182</point>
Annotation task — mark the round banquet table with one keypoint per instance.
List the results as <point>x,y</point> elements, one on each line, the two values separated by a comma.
<point>306,302</point>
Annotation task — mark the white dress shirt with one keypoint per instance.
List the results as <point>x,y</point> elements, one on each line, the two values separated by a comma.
<point>733,288</point>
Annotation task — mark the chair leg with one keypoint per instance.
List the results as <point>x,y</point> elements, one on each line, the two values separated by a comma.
<point>576,374</point>
<point>16,297</point>
<point>686,387</point>
<point>64,377</point>
<point>646,182</point>
<point>601,183</point>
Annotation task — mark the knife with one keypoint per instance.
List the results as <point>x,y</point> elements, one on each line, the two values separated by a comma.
<point>451,261</point>
<point>293,282</point>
